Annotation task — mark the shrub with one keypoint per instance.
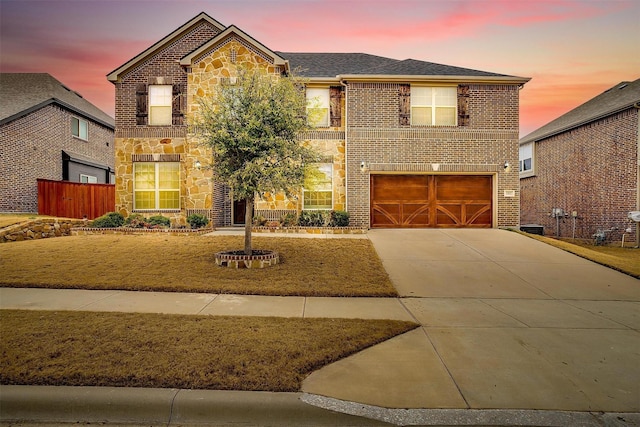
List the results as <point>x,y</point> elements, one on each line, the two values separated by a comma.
<point>136,221</point>
<point>197,220</point>
<point>339,219</point>
<point>159,221</point>
<point>289,219</point>
<point>109,220</point>
<point>259,221</point>
<point>313,218</point>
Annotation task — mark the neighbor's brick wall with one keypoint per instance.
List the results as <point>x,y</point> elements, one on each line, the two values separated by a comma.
<point>374,135</point>
<point>592,170</point>
<point>31,148</point>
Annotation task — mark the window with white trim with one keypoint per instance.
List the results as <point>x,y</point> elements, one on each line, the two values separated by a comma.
<point>317,192</point>
<point>434,106</point>
<point>80,128</point>
<point>526,159</point>
<point>156,186</point>
<point>88,179</point>
<point>160,104</point>
<point>318,107</point>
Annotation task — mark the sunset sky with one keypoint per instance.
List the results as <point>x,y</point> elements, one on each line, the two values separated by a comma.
<point>573,50</point>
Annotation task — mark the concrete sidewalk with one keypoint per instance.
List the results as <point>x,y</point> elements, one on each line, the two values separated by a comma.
<point>514,332</point>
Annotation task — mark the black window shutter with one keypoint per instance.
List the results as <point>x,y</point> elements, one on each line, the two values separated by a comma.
<point>179,104</point>
<point>463,105</point>
<point>335,106</point>
<point>141,104</point>
<point>404,95</point>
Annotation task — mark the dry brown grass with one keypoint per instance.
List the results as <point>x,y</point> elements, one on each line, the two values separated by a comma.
<point>160,262</point>
<point>626,260</point>
<point>177,351</point>
<point>11,219</point>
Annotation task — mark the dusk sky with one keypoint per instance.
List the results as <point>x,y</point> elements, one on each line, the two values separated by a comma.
<point>573,50</point>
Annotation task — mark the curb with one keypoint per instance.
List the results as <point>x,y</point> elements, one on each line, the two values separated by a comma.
<point>166,407</point>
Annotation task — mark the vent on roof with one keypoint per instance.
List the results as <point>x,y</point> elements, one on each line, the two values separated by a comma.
<point>622,86</point>
<point>78,94</point>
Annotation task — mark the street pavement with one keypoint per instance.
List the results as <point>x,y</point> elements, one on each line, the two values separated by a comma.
<point>513,332</point>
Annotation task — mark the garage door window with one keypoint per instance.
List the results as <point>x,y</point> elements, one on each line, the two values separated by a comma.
<point>318,192</point>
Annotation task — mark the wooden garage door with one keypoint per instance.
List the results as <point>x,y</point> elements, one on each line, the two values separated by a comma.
<point>406,201</point>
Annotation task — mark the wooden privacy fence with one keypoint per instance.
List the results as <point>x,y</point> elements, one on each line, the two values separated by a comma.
<point>75,200</point>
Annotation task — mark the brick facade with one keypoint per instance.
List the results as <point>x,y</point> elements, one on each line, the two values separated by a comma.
<point>376,137</point>
<point>31,148</point>
<point>592,170</point>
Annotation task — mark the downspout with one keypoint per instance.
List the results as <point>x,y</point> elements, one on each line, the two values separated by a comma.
<point>346,147</point>
<point>637,107</point>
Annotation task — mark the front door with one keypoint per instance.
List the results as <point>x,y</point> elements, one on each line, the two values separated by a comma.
<point>239,211</point>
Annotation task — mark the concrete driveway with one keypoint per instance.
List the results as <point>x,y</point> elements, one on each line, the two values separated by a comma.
<point>507,322</point>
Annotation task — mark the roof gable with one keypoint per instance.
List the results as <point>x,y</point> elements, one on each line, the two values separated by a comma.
<point>23,93</point>
<point>231,31</point>
<point>115,74</point>
<point>620,97</point>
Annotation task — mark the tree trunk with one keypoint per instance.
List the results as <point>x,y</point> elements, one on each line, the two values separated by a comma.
<point>248,224</point>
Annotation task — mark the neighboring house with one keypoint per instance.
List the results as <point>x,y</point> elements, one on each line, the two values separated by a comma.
<point>405,143</point>
<point>48,131</point>
<point>579,173</point>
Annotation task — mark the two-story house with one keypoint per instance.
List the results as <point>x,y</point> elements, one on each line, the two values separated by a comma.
<point>406,143</point>
<point>49,131</point>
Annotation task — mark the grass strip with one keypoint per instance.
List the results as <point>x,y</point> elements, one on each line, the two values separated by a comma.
<point>177,351</point>
<point>625,260</point>
<point>157,262</point>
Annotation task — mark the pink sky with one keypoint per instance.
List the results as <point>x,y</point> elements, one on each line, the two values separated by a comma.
<point>572,49</point>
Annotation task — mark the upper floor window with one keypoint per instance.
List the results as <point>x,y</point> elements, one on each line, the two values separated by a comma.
<point>434,106</point>
<point>318,187</point>
<point>526,159</point>
<point>318,107</point>
<point>160,104</point>
<point>80,128</point>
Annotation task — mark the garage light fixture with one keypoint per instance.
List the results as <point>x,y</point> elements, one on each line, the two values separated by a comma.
<point>363,167</point>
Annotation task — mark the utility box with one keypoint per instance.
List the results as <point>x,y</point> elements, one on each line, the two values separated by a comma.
<point>533,229</point>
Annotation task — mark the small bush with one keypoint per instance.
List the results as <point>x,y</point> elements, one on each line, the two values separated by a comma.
<point>197,220</point>
<point>159,221</point>
<point>339,219</point>
<point>136,221</point>
<point>259,221</point>
<point>313,218</point>
<point>289,219</point>
<point>109,220</point>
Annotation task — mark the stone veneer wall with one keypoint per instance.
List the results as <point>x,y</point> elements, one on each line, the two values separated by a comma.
<point>374,135</point>
<point>39,229</point>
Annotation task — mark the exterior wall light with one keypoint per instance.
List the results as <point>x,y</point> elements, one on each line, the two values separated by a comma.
<point>197,164</point>
<point>507,167</point>
<point>363,167</point>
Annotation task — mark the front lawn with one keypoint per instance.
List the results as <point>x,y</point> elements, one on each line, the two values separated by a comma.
<point>181,263</point>
<point>177,351</point>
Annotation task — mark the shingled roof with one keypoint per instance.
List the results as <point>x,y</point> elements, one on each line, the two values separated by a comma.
<point>23,93</point>
<point>333,64</point>
<point>618,98</point>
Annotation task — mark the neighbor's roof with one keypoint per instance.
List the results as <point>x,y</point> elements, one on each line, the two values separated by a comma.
<point>23,93</point>
<point>618,98</point>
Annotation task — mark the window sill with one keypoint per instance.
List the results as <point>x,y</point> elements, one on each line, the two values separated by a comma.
<point>527,174</point>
